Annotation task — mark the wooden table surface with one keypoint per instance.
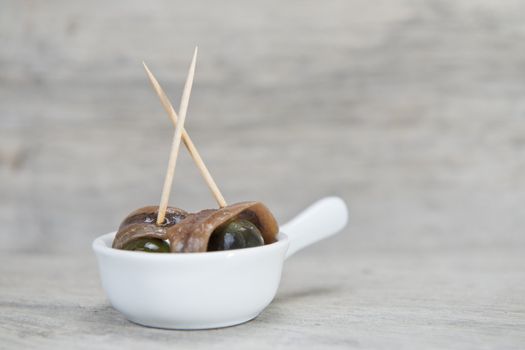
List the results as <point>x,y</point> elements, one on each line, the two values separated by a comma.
<point>413,112</point>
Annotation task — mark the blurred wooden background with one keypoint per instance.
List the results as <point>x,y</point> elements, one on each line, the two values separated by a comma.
<point>412,111</point>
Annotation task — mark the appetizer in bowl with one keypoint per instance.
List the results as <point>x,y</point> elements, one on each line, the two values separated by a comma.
<point>166,267</point>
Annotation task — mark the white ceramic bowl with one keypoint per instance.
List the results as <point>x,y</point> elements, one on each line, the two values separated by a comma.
<point>211,289</point>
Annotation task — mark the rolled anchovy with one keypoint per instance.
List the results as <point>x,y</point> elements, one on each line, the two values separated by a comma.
<point>193,233</point>
<point>141,223</point>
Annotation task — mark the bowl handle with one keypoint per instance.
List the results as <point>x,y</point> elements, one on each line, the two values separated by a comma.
<point>320,220</point>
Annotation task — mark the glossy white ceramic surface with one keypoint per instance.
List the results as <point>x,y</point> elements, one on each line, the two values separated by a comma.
<point>212,289</point>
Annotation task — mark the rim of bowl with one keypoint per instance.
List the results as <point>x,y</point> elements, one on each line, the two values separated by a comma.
<point>100,246</point>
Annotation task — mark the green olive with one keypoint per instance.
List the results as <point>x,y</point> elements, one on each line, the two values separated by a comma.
<point>148,244</point>
<point>235,234</point>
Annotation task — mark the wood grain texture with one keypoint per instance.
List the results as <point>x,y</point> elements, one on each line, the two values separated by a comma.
<point>422,133</point>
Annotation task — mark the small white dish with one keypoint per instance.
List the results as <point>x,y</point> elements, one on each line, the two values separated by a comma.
<point>211,289</point>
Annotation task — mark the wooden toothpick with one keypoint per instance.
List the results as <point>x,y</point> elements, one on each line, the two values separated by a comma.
<point>175,146</point>
<point>187,140</point>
